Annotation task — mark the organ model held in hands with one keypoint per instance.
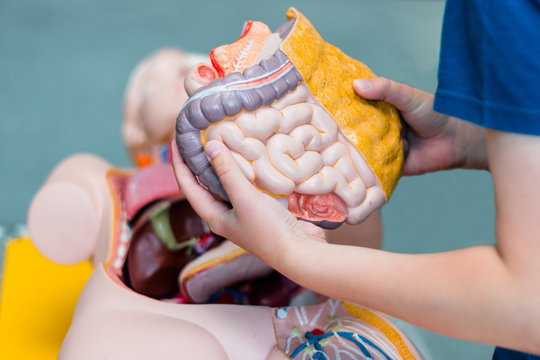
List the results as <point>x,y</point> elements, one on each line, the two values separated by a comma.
<point>283,103</point>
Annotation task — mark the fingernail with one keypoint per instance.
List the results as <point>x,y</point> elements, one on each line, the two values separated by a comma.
<point>213,148</point>
<point>363,84</point>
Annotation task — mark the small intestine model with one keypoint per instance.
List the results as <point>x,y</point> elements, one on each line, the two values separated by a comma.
<point>165,286</point>
<point>283,103</point>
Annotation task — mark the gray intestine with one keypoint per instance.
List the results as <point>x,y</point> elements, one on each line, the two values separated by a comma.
<point>227,97</point>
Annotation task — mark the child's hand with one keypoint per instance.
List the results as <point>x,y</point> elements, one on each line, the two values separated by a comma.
<point>256,222</point>
<point>435,141</point>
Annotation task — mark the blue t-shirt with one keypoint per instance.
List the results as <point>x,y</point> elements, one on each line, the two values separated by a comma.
<point>506,354</point>
<point>489,71</point>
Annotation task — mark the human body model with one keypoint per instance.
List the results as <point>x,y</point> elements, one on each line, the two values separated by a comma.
<point>163,283</point>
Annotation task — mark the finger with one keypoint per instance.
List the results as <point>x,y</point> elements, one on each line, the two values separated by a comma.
<point>235,183</point>
<point>404,97</point>
<point>204,203</point>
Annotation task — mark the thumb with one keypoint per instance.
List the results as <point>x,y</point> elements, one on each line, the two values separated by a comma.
<point>404,97</point>
<point>234,181</point>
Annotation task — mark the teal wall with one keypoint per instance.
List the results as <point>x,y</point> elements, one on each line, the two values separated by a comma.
<point>64,65</point>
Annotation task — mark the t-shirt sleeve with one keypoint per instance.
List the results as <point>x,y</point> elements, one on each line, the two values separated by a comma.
<point>489,69</point>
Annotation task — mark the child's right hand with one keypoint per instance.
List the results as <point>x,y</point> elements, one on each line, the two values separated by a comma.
<point>436,141</point>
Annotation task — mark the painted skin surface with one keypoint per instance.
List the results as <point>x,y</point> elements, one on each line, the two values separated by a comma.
<point>285,141</point>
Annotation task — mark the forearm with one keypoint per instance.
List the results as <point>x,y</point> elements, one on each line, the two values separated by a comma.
<point>451,293</point>
<point>482,293</point>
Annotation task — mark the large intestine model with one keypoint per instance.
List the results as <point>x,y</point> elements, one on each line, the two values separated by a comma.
<point>164,286</point>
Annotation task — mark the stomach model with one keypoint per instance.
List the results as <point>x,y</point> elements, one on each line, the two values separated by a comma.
<point>283,103</point>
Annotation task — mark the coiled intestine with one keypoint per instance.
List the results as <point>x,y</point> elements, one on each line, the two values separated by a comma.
<point>284,141</point>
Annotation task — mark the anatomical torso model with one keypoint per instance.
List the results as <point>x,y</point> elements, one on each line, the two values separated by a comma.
<point>164,285</point>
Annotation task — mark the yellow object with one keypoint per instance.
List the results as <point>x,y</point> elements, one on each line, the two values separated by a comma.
<point>37,300</point>
<point>372,126</point>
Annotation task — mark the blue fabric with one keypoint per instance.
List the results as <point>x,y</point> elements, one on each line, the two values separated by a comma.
<point>506,354</point>
<point>489,71</point>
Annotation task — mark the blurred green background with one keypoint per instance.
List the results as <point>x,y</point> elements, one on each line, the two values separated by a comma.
<point>64,65</point>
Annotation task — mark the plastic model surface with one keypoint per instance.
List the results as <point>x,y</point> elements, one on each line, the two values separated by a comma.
<point>283,103</point>
<point>164,286</point>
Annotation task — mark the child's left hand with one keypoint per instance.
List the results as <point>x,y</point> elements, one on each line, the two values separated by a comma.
<point>256,221</point>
